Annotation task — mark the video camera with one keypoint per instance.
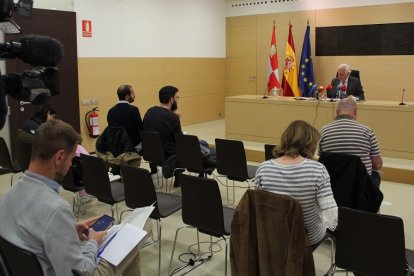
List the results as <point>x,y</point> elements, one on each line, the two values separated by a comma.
<point>35,85</point>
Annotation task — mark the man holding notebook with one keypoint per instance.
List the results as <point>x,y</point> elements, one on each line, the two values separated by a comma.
<point>36,218</point>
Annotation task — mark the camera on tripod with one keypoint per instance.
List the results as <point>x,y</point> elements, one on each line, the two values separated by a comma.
<point>36,85</point>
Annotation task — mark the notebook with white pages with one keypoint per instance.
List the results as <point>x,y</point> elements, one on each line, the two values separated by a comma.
<point>122,238</point>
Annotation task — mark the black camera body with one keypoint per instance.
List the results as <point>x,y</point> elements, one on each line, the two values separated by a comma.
<point>35,85</point>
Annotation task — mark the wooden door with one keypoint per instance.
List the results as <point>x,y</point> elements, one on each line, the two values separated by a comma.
<point>241,75</point>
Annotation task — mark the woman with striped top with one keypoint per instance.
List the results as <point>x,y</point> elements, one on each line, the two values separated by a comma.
<point>294,173</point>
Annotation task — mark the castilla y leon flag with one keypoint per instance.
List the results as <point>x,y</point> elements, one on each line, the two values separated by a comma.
<point>273,84</point>
<point>290,72</point>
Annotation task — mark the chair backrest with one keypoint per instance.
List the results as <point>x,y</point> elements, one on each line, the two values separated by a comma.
<point>370,243</point>
<point>201,204</point>
<point>152,147</point>
<point>19,261</point>
<point>23,146</point>
<point>67,182</point>
<point>188,153</point>
<point>231,159</point>
<point>351,185</point>
<point>138,187</point>
<point>269,151</point>
<point>5,160</point>
<point>354,73</point>
<point>96,179</point>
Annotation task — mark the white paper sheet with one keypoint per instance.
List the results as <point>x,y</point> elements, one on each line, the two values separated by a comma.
<point>127,236</point>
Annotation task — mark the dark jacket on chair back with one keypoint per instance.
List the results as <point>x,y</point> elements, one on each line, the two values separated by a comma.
<point>351,185</point>
<point>114,140</point>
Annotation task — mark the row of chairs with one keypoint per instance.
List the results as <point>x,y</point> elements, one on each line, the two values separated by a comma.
<point>202,208</point>
<point>231,157</point>
<point>138,190</point>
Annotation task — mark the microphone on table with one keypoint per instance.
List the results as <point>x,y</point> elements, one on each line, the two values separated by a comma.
<point>328,91</point>
<point>402,98</point>
<point>314,91</point>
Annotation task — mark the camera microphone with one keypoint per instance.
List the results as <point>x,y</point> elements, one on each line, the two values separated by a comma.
<point>35,50</point>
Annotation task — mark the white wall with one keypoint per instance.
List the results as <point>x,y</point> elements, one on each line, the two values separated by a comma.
<point>152,28</point>
<point>63,5</point>
<point>250,7</point>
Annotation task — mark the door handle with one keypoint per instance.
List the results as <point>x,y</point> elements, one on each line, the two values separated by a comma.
<point>22,103</point>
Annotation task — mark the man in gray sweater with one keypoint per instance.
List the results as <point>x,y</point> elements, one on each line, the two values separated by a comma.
<point>34,217</point>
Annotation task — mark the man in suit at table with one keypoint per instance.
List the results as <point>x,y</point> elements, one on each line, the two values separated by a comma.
<point>345,85</point>
<point>126,115</point>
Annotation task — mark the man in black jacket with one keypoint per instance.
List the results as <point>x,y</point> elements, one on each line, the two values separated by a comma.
<point>125,115</point>
<point>345,85</point>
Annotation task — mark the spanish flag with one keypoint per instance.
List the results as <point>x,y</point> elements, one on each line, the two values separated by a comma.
<point>290,72</point>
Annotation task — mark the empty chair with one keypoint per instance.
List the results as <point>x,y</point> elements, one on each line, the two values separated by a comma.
<point>140,192</point>
<point>6,164</point>
<point>269,151</point>
<point>152,148</point>
<point>232,163</point>
<point>371,244</point>
<point>202,209</point>
<point>97,184</point>
<point>18,261</point>
<point>72,183</point>
<point>189,154</point>
<point>23,148</point>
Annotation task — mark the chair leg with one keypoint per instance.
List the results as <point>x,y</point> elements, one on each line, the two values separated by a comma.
<point>234,192</point>
<point>198,242</point>
<point>332,249</point>
<point>123,211</point>
<point>114,208</point>
<point>74,206</point>
<point>159,246</point>
<point>225,257</point>
<point>173,249</point>
<point>331,270</point>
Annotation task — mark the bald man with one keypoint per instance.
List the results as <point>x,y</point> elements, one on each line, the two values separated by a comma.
<point>346,135</point>
<point>352,84</point>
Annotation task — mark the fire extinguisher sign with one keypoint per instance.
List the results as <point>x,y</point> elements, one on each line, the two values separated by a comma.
<point>87,28</point>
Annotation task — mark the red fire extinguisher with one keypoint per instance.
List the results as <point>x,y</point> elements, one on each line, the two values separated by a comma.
<point>92,122</point>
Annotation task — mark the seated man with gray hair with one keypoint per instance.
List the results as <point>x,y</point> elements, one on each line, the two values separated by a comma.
<point>345,85</point>
<point>346,135</point>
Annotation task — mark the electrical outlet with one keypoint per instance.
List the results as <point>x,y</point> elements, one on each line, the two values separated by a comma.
<point>86,102</point>
<point>94,101</point>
